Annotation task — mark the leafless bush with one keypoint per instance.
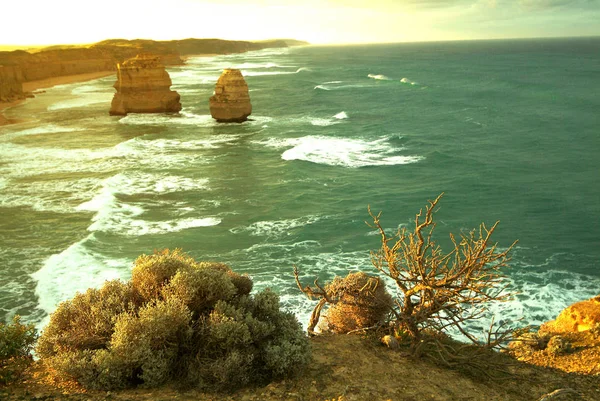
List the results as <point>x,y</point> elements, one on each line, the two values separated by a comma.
<point>438,292</point>
<point>442,291</point>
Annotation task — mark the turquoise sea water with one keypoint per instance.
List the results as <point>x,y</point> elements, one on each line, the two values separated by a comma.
<point>508,130</point>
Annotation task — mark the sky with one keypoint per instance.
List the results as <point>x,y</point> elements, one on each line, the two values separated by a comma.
<point>45,22</point>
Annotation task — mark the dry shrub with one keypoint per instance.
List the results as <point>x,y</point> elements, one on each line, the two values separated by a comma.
<point>16,344</point>
<point>438,292</point>
<point>360,301</point>
<point>176,320</point>
<point>357,301</point>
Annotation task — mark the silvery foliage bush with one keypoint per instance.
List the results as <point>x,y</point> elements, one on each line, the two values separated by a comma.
<point>176,320</point>
<point>16,344</point>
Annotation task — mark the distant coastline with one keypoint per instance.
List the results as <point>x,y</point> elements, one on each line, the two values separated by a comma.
<point>23,72</point>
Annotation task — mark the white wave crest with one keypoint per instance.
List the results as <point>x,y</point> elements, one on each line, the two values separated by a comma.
<point>204,120</point>
<point>323,122</point>
<point>58,196</point>
<point>341,115</point>
<point>341,151</point>
<point>75,269</point>
<point>407,81</point>
<point>117,216</point>
<point>338,85</point>
<point>378,77</point>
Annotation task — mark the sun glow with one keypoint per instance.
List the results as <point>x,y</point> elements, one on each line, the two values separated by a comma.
<point>320,22</point>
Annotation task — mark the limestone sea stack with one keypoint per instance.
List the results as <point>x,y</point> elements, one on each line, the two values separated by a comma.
<point>231,101</point>
<point>143,86</point>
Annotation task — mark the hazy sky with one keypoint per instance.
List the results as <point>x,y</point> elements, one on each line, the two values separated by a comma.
<point>30,22</point>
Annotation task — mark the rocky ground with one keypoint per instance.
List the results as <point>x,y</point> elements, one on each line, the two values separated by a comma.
<point>351,367</point>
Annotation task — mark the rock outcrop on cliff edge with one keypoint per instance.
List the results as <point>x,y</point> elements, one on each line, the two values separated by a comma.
<point>231,101</point>
<point>580,316</point>
<point>144,86</point>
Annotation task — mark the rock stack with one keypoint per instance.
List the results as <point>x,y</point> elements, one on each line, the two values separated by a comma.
<point>143,86</point>
<point>231,101</point>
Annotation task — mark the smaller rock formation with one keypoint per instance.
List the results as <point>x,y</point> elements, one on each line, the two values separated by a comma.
<point>231,101</point>
<point>143,86</point>
<point>580,316</point>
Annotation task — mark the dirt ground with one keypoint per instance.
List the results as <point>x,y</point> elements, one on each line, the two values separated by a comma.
<point>349,368</point>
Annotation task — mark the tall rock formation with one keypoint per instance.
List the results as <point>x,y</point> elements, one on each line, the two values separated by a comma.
<point>231,101</point>
<point>143,86</point>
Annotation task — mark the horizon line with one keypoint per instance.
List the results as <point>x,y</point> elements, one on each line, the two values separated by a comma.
<point>25,47</point>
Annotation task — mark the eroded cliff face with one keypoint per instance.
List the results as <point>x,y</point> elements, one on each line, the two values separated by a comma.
<point>144,86</point>
<point>21,66</point>
<point>231,101</point>
<point>11,87</point>
<point>56,63</point>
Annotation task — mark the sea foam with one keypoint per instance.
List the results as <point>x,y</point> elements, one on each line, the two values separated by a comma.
<point>275,228</point>
<point>73,270</point>
<point>344,152</point>
<point>248,73</point>
<point>407,81</point>
<point>115,215</point>
<point>378,77</point>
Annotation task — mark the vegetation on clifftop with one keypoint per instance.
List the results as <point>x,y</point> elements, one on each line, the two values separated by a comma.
<point>181,323</point>
<point>16,344</point>
<point>177,319</point>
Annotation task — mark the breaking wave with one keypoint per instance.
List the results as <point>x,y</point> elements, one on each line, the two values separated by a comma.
<point>343,152</point>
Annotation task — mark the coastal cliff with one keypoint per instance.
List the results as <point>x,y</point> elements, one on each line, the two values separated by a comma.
<point>20,66</point>
<point>11,87</point>
<point>143,86</point>
<point>231,101</point>
<point>55,63</point>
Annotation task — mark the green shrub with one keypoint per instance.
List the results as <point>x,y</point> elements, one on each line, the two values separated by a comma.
<point>87,320</point>
<point>177,319</point>
<point>151,272</point>
<point>16,344</point>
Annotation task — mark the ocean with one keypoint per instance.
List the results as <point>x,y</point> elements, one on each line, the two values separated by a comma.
<point>507,130</point>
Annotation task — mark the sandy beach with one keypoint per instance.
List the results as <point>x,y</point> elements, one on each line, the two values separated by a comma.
<point>7,105</point>
<point>48,83</point>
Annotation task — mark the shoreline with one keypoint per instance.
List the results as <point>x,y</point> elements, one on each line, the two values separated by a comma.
<point>46,83</point>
